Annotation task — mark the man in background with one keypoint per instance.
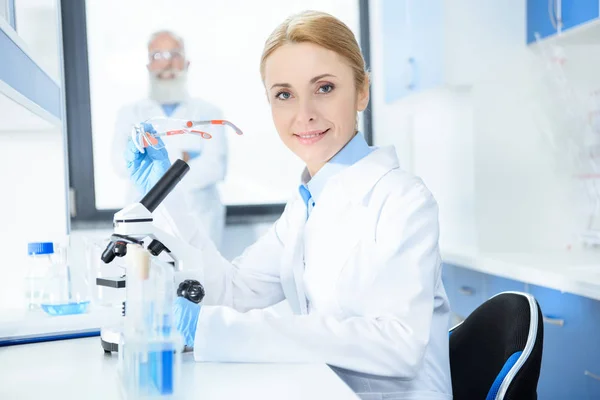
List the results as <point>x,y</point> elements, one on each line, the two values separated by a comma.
<point>168,97</point>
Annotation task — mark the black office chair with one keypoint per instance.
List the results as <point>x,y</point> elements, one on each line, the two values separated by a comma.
<point>496,353</point>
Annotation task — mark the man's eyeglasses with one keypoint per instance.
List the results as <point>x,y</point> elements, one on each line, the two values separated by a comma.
<point>166,55</point>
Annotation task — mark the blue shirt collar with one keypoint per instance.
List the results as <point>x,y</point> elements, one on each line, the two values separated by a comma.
<point>169,108</point>
<point>356,149</point>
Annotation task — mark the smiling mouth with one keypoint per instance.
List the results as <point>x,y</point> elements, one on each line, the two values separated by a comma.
<point>311,134</point>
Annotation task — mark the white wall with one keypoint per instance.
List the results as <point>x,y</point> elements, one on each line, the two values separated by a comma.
<point>37,26</point>
<point>33,201</point>
<point>501,187</point>
<point>4,9</point>
<point>523,203</point>
<point>433,136</point>
<point>33,197</point>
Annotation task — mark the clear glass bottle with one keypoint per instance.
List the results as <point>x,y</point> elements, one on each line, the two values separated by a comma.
<point>65,290</point>
<point>40,260</point>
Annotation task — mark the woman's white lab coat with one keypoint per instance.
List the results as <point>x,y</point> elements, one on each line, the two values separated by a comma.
<point>206,171</point>
<point>362,275</point>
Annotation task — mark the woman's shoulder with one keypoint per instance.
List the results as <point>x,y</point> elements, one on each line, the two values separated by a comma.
<point>398,197</point>
<point>401,201</point>
<point>400,183</point>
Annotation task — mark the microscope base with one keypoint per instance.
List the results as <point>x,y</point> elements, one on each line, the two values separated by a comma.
<point>110,338</point>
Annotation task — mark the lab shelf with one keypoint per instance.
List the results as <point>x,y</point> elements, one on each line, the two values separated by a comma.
<point>579,21</point>
<point>25,82</point>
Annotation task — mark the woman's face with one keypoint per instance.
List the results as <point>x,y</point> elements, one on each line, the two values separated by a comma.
<point>313,101</point>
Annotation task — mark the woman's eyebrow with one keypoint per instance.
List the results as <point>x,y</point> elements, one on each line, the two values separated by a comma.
<point>313,80</point>
<point>284,85</point>
<point>318,77</point>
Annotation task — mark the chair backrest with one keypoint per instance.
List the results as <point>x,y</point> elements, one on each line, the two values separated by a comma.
<point>496,352</point>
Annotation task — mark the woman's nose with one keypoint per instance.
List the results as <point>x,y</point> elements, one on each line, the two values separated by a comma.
<point>306,111</point>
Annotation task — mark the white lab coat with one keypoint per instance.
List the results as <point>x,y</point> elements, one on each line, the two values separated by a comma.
<point>362,275</point>
<point>199,186</point>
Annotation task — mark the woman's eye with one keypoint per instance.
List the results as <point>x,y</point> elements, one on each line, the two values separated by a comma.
<point>283,95</point>
<point>326,88</point>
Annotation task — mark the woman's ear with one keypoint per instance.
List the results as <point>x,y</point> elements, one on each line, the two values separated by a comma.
<point>363,95</point>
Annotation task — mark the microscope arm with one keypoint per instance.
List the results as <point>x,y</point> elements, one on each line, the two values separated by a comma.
<point>135,222</point>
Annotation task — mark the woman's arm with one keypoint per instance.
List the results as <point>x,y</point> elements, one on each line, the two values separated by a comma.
<point>248,282</point>
<point>389,316</point>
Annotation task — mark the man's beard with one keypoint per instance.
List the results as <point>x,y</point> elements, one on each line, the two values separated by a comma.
<point>169,91</point>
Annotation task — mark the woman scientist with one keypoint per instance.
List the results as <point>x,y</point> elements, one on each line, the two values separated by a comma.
<point>355,253</point>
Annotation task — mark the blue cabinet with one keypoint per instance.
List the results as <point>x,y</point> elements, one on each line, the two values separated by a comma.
<point>542,15</point>
<point>468,289</point>
<point>465,289</point>
<point>571,356</point>
<point>412,46</point>
<point>577,12</point>
<point>539,20</point>
<point>495,284</point>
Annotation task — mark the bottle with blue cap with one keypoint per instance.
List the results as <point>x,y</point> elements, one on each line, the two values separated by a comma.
<point>52,284</point>
<point>40,261</point>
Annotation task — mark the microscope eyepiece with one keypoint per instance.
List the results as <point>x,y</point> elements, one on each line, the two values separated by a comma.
<point>108,254</point>
<point>117,247</point>
<point>165,185</point>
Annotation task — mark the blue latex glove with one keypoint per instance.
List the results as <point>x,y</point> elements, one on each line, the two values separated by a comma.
<point>186,315</point>
<point>145,169</point>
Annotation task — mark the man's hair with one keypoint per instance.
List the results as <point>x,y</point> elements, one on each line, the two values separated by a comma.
<point>171,34</point>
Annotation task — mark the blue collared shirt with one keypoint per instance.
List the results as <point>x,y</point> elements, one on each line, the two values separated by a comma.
<point>169,109</point>
<point>355,150</point>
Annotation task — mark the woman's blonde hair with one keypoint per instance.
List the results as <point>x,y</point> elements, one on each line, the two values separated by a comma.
<point>321,29</point>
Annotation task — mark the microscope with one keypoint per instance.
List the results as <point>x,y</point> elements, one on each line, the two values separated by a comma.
<point>134,226</point>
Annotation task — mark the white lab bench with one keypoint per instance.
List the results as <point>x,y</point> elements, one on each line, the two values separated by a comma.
<point>576,272</point>
<point>79,369</point>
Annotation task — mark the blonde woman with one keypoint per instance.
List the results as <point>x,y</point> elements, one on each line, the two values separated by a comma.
<point>355,253</point>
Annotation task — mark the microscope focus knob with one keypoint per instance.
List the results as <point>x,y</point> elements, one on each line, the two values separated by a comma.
<point>155,247</point>
<point>191,290</point>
